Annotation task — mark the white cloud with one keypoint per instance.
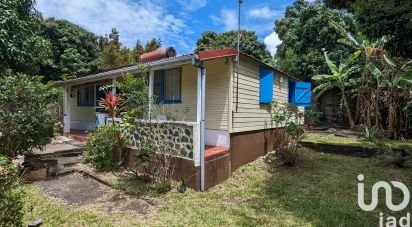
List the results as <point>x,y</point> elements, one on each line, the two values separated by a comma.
<point>192,5</point>
<point>134,19</point>
<point>263,13</point>
<point>227,18</point>
<point>272,41</point>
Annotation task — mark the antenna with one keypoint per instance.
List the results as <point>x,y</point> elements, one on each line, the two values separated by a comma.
<point>238,54</point>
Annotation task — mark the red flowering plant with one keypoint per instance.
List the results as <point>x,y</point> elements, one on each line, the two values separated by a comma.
<point>113,104</point>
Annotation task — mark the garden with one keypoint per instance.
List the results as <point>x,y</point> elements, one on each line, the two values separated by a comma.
<point>310,176</point>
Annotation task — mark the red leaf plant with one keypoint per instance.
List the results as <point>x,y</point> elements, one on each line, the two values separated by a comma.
<point>113,104</point>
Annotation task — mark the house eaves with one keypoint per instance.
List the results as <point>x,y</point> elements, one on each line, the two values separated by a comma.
<point>182,59</point>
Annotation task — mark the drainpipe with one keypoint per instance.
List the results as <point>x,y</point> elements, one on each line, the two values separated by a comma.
<point>201,94</point>
<point>202,131</point>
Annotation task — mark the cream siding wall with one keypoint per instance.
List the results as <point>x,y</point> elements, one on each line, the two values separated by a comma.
<point>250,114</point>
<point>217,95</point>
<point>81,113</point>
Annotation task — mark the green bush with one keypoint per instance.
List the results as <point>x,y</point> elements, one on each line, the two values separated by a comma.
<point>11,196</point>
<point>26,121</point>
<point>105,148</point>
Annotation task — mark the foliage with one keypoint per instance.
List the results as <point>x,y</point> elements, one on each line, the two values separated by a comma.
<point>340,78</point>
<point>249,43</point>
<point>313,117</point>
<point>369,134</point>
<point>378,18</point>
<point>304,31</point>
<point>75,52</point>
<point>21,46</point>
<point>113,104</point>
<point>11,196</point>
<point>135,92</point>
<point>289,134</point>
<point>25,122</point>
<point>105,147</point>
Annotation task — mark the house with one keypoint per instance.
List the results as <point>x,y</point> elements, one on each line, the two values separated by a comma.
<point>227,106</point>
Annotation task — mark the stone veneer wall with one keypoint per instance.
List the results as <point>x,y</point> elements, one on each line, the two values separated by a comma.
<point>175,135</point>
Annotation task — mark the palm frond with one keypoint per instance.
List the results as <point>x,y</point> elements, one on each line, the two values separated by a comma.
<point>332,66</point>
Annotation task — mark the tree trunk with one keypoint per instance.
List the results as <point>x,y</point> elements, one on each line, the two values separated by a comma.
<point>345,102</point>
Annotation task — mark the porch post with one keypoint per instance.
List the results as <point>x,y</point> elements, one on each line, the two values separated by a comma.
<point>151,82</point>
<point>66,109</point>
<point>113,86</point>
<point>201,93</point>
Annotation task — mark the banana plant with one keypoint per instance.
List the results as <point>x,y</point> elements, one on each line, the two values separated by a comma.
<point>396,81</point>
<point>341,79</point>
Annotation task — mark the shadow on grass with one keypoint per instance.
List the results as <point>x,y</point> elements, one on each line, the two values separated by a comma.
<point>321,190</point>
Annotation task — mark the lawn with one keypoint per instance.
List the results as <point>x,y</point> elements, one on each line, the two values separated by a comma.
<point>320,191</point>
<point>332,139</point>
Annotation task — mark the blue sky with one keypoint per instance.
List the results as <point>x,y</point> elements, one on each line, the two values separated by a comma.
<point>177,23</point>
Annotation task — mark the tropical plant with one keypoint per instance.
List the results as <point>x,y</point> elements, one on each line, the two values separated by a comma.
<point>113,104</point>
<point>341,79</point>
<point>395,81</point>
<point>11,196</point>
<point>25,120</point>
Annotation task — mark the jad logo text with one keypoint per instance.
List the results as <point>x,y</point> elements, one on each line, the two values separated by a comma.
<point>382,185</point>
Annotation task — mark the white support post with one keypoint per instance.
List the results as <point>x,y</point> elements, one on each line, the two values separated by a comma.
<point>151,84</point>
<point>202,129</point>
<point>113,86</point>
<point>66,109</point>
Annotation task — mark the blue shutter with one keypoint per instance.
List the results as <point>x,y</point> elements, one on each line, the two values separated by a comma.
<point>266,85</point>
<point>303,93</point>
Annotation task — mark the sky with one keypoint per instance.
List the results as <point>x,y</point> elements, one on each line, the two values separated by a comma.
<point>178,23</point>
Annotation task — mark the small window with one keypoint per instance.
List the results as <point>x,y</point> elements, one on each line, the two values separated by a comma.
<point>167,86</point>
<point>291,92</point>
<point>85,96</point>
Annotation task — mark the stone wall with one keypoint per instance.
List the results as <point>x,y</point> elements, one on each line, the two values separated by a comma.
<point>175,137</point>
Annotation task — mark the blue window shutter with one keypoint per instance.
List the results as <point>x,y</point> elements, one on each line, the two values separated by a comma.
<point>266,85</point>
<point>291,91</point>
<point>303,93</point>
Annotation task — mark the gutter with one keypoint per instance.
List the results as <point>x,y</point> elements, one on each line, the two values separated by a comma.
<point>129,69</point>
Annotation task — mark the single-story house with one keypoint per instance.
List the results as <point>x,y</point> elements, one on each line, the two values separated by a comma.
<point>226,105</point>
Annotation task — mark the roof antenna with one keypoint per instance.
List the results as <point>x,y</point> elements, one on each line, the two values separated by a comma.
<point>238,54</point>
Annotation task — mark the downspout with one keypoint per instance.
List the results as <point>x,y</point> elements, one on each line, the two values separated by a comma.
<point>201,116</point>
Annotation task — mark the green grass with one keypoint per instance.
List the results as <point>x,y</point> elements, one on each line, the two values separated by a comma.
<point>332,139</point>
<point>320,191</point>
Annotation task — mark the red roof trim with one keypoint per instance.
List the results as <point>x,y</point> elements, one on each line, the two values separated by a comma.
<point>211,54</point>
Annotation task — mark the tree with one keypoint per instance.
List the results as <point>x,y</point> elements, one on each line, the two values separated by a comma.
<point>249,43</point>
<point>21,47</point>
<point>340,78</point>
<point>26,121</point>
<point>112,53</point>
<point>304,32</point>
<point>379,18</point>
<point>152,45</point>
<point>75,50</point>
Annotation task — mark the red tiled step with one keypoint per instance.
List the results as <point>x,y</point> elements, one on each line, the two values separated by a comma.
<point>212,152</point>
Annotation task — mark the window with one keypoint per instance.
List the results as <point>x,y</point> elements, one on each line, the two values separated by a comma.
<point>167,86</point>
<point>266,85</point>
<point>291,92</point>
<point>85,96</point>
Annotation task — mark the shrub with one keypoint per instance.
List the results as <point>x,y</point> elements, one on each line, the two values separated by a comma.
<point>105,148</point>
<point>25,123</point>
<point>11,196</point>
<point>289,134</point>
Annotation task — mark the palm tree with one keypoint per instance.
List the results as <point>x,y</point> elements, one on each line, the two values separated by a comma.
<point>341,79</point>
